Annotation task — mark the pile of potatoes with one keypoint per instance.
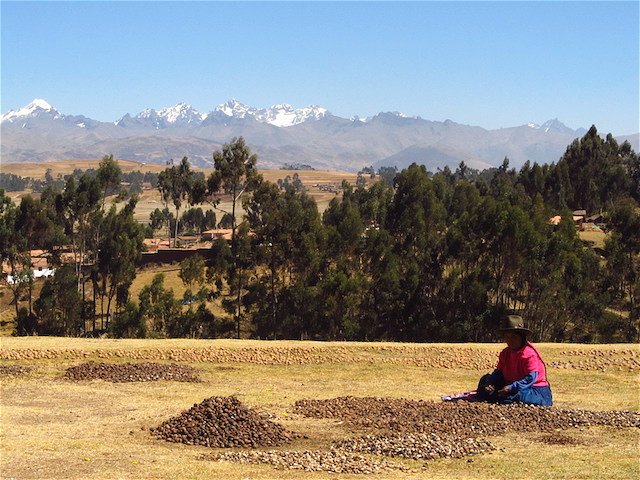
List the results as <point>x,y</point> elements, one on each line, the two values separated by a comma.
<point>456,419</point>
<point>14,370</point>
<point>223,422</point>
<point>131,372</point>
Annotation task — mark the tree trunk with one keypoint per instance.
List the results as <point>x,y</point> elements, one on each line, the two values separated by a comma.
<point>234,251</point>
<point>273,291</point>
<point>108,312</point>
<point>30,294</point>
<point>102,293</point>
<point>16,295</point>
<point>112,292</point>
<point>175,237</point>
<point>94,282</point>
<point>238,306</point>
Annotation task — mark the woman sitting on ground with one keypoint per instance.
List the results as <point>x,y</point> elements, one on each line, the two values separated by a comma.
<point>520,375</point>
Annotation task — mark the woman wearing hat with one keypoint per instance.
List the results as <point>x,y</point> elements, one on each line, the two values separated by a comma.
<point>520,375</point>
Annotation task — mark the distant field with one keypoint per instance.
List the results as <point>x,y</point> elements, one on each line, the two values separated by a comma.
<point>52,427</point>
<point>65,167</point>
<point>150,199</point>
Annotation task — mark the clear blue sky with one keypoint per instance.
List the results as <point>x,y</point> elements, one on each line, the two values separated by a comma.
<point>494,64</point>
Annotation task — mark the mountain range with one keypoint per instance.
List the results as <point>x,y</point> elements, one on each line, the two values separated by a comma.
<point>279,134</point>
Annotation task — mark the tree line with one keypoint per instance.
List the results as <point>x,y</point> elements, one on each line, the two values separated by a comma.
<point>416,256</point>
<point>133,181</point>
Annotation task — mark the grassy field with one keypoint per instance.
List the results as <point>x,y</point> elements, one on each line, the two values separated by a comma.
<point>57,428</point>
<point>595,236</point>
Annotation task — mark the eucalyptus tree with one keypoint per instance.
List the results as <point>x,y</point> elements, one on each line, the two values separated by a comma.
<point>416,223</point>
<point>235,174</point>
<point>59,305</point>
<point>161,218</point>
<point>80,204</point>
<point>13,250</point>
<point>109,174</point>
<point>192,271</point>
<point>623,261</point>
<point>158,306</point>
<point>179,184</point>
<point>35,224</point>
<point>288,239</point>
<point>118,253</point>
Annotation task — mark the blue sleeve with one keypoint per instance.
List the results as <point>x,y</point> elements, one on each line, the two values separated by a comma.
<point>524,383</point>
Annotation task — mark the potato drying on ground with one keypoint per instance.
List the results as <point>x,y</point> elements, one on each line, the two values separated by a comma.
<point>460,419</point>
<point>417,446</point>
<point>334,461</point>
<point>131,372</point>
<point>14,370</point>
<point>223,422</point>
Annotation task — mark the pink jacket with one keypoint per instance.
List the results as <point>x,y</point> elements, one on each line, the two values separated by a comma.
<point>516,365</point>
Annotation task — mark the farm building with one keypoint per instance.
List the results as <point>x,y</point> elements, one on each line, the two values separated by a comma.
<point>224,233</point>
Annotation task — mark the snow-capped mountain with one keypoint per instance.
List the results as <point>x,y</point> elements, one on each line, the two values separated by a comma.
<point>182,114</point>
<point>236,109</point>
<point>179,115</point>
<point>282,115</point>
<point>555,126</point>
<point>278,134</point>
<point>37,108</point>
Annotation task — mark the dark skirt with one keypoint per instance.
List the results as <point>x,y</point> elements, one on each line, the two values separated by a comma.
<point>532,395</point>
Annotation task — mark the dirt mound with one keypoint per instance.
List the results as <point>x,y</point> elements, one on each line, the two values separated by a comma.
<point>223,422</point>
<point>335,461</point>
<point>418,446</point>
<point>14,370</point>
<point>131,372</point>
<point>460,419</point>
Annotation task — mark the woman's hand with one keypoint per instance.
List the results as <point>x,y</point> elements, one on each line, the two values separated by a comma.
<point>504,391</point>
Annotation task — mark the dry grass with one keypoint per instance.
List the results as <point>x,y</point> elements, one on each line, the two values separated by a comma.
<point>150,199</point>
<point>65,167</point>
<point>592,235</point>
<point>53,428</point>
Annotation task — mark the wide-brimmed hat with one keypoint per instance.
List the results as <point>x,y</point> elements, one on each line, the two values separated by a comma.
<point>513,323</point>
